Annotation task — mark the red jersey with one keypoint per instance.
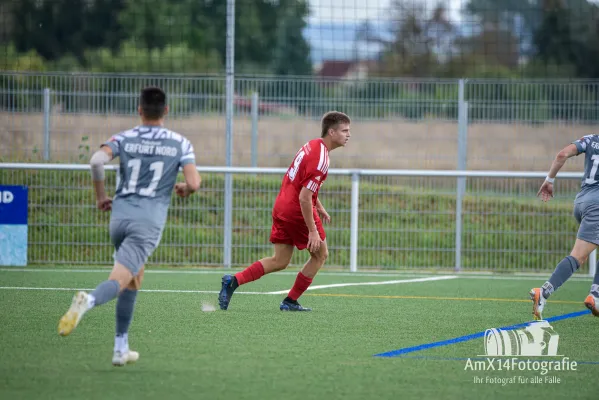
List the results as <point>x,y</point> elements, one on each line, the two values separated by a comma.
<point>309,169</point>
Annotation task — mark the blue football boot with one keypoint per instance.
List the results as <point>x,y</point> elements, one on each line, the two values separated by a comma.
<point>229,284</point>
<point>292,305</point>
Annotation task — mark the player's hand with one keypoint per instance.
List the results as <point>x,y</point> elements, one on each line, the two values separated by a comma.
<point>104,204</point>
<point>324,216</point>
<point>181,189</point>
<point>546,191</point>
<point>314,241</point>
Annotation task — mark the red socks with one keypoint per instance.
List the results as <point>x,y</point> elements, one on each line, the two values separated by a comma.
<point>302,282</point>
<point>256,271</point>
<point>250,274</point>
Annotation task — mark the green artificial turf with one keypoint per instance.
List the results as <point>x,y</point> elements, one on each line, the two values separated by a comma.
<point>255,351</point>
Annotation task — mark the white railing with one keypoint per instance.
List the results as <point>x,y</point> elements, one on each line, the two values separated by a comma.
<point>485,187</point>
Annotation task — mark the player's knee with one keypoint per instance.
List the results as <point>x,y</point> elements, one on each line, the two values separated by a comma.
<point>135,283</point>
<point>279,264</point>
<point>321,256</point>
<point>122,275</point>
<point>123,280</point>
<point>581,258</point>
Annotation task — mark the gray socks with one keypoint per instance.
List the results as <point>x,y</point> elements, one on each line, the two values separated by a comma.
<point>104,292</point>
<point>562,273</point>
<point>124,310</point>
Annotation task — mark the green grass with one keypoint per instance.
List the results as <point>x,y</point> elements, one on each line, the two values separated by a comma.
<point>403,222</point>
<point>254,351</point>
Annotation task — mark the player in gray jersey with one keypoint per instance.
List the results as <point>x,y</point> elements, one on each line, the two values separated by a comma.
<point>586,212</point>
<point>149,160</point>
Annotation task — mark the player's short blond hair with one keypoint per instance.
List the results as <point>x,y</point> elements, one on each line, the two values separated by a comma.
<point>332,119</point>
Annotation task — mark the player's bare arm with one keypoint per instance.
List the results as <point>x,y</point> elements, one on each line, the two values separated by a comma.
<point>192,183</point>
<point>324,215</point>
<point>305,200</point>
<point>101,157</point>
<point>546,190</point>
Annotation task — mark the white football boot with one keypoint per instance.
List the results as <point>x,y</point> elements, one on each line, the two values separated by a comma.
<point>592,302</point>
<point>70,320</point>
<point>538,302</point>
<point>121,358</point>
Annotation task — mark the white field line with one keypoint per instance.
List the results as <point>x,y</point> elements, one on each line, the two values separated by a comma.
<point>461,275</point>
<point>336,285</point>
<point>142,290</point>
<point>210,272</point>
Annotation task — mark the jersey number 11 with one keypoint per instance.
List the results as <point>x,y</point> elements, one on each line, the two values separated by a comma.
<point>150,191</point>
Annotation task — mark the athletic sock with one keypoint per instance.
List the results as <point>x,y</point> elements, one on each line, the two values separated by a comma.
<point>250,274</point>
<point>121,343</point>
<point>302,282</point>
<point>562,273</point>
<point>103,293</point>
<point>124,310</point>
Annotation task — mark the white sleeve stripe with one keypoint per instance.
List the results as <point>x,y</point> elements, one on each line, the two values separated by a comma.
<point>186,146</point>
<point>312,186</point>
<point>188,156</point>
<point>327,163</point>
<point>322,157</point>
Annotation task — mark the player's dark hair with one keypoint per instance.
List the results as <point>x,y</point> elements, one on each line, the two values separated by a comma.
<point>152,102</point>
<point>332,119</point>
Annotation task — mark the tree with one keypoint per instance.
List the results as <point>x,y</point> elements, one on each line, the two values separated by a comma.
<point>492,46</point>
<point>291,55</point>
<point>158,24</point>
<point>202,26</point>
<point>565,38</point>
<point>560,34</point>
<point>268,33</point>
<point>420,40</point>
<point>55,28</point>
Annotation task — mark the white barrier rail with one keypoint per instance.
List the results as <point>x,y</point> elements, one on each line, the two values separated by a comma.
<point>487,184</point>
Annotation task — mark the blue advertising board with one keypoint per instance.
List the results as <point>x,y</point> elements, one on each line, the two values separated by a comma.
<point>13,225</point>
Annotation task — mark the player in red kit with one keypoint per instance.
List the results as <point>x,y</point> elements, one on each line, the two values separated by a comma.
<point>297,216</point>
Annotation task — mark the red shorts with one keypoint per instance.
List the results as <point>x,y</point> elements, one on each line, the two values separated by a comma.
<point>293,233</point>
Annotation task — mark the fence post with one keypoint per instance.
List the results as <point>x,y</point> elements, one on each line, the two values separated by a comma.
<point>353,247</point>
<point>462,160</point>
<point>593,263</point>
<point>47,110</point>
<point>230,93</point>
<point>255,129</point>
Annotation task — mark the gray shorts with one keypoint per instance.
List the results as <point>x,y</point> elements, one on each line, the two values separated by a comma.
<point>587,215</point>
<point>134,242</point>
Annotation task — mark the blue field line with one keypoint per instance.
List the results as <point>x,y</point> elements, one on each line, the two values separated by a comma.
<point>459,339</point>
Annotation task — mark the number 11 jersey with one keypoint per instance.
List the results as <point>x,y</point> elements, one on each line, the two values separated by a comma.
<point>309,169</point>
<point>150,157</point>
<point>589,189</point>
